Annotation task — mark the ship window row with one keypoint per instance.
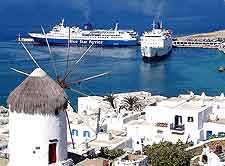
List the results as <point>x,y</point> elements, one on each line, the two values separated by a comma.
<point>85,133</point>
<point>105,37</point>
<point>99,35</point>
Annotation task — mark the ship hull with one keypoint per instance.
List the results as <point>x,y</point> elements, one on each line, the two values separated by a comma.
<point>80,42</point>
<point>156,58</point>
<point>155,54</point>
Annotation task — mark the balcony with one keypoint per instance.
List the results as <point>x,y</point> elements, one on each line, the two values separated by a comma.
<point>177,129</point>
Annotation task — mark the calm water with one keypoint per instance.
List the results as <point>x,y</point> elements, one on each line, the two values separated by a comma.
<point>183,70</point>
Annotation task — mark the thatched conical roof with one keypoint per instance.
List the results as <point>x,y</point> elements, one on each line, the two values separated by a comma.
<point>38,93</point>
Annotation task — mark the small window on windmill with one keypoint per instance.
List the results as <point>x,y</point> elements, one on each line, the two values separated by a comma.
<point>190,119</point>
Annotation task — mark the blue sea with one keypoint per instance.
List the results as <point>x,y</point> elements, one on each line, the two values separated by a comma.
<point>184,70</point>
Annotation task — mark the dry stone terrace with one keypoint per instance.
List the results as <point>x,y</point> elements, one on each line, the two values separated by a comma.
<point>212,144</point>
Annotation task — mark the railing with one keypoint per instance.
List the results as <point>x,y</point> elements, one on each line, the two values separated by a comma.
<point>177,129</point>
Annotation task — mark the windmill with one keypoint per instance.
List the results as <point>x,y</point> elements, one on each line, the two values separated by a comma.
<point>63,80</point>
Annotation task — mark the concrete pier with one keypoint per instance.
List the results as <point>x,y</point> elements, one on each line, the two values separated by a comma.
<point>214,40</point>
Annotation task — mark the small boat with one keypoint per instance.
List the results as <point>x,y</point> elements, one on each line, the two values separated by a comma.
<point>221,69</point>
<point>24,39</point>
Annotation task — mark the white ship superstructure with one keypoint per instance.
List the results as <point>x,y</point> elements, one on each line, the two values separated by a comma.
<point>156,43</point>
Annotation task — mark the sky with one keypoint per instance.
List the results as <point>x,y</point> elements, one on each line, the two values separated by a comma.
<point>25,15</point>
<point>145,7</point>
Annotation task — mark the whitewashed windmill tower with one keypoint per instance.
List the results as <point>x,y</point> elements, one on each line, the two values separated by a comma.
<point>37,122</point>
<point>38,118</point>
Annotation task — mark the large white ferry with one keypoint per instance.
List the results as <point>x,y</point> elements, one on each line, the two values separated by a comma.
<point>61,35</point>
<point>156,43</point>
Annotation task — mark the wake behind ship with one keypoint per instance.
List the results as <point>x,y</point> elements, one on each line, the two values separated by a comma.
<point>156,44</point>
<point>62,35</point>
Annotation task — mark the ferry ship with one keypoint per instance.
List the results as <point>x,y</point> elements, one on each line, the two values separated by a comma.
<point>62,35</point>
<point>157,43</point>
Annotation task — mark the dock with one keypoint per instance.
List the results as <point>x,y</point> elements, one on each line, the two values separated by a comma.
<point>212,40</point>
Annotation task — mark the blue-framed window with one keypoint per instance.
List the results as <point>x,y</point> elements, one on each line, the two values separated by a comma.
<point>74,132</point>
<point>86,134</point>
<point>221,134</point>
<point>208,134</point>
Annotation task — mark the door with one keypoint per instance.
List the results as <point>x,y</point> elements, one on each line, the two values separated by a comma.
<point>52,153</point>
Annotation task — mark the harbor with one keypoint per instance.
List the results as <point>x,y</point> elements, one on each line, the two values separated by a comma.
<point>72,36</point>
<point>112,83</point>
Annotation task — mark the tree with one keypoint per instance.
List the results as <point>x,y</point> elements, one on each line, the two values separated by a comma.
<point>166,153</point>
<point>111,154</point>
<point>110,98</point>
<point>132,102</point>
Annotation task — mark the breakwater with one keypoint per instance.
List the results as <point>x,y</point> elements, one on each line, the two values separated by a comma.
<point>214,40</point>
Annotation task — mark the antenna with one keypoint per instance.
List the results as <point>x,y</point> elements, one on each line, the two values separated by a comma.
<point>18,71</point>
<point>30,55</point>
<point>116,27</point>
<point>161,24</point>
<point>153,25</point>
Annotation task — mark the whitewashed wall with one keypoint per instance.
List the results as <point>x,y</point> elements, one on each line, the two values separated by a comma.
<point>29,137</point>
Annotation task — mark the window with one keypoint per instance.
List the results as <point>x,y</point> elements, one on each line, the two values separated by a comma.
<point>75,132</point>
<point>56,112</point>
<point>178,120</point>
<point>208,134</point>
<point>221,134</point>
<point>190,119</point>
<point>86,134</point>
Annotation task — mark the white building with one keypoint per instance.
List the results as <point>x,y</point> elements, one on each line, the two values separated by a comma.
<point>89,133</point>
<point>37,122</point>
<point>189,118</point>
<point>91,104</point>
